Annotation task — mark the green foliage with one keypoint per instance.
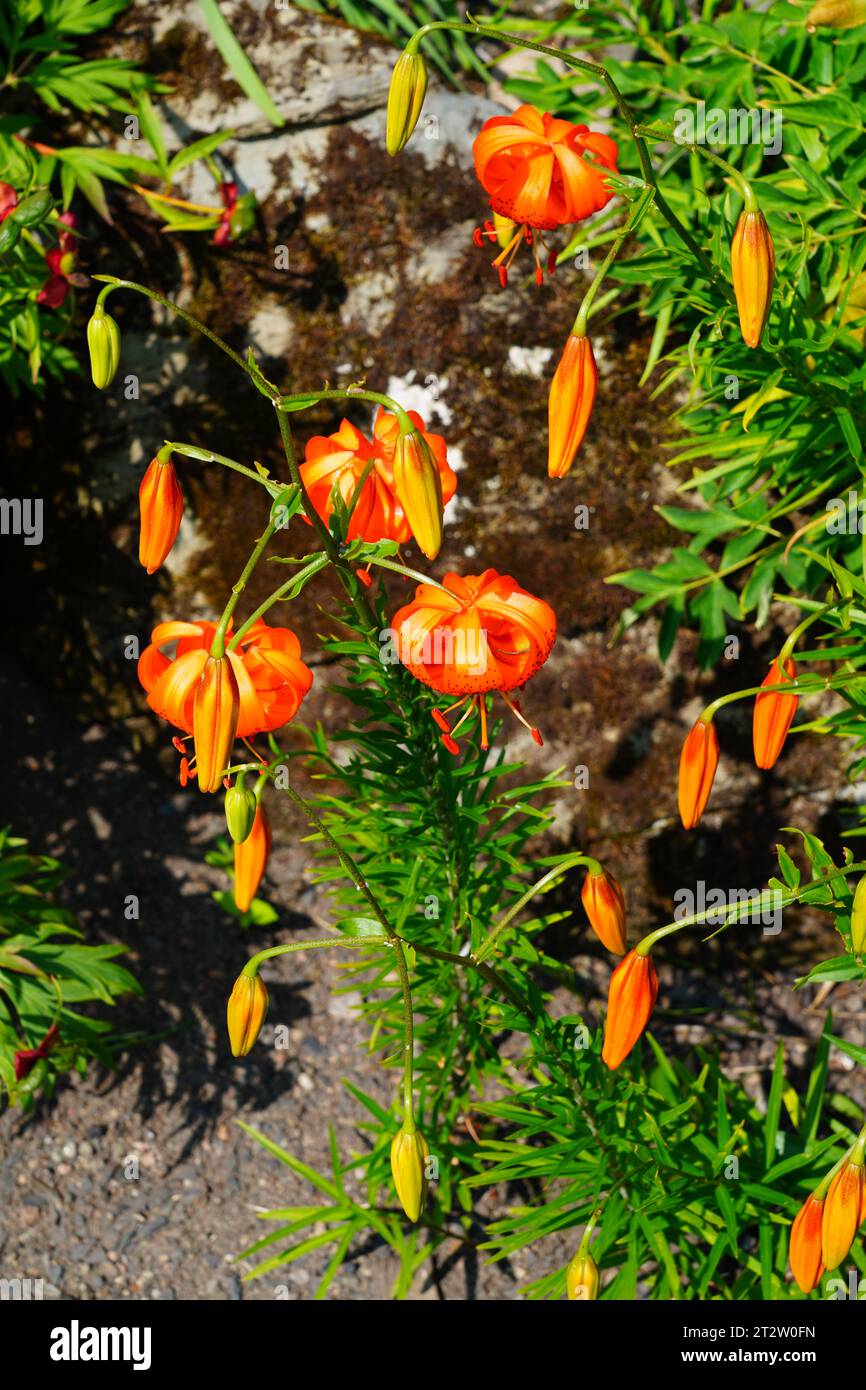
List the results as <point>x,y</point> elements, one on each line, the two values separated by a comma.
<point>450,52</point>
<point>46,974</point>
<point>670,1147</point>
<point>237,61</point>
<point>48,76</point>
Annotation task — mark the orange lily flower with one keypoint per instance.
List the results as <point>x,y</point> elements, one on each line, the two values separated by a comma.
<point>569,406</point>
<point>753,265</point>
<point>251,860</point>
<point>634,987</point>
<point>698,762</point>
<point>773,716</point>
<point>842,1213</point>
<point>160,502</point>
<point>536,170</point>
<point>342,458</point>
<point>472,636</point>
<point>804,1246</point>
<point>272,679</point>
<point>604,904</point>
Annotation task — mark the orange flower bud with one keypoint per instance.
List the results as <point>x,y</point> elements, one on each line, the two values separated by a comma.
<point>581,1278</point>
<point>604,904</point>
<point>215,713</point>
<point>804,1246</point>
<point>572,396</point>
<point>634,987</point>
<point>753,265</point>
<point>773,715</point>
<point>161,503</point>
<point>246,1012</point>
<point>698,762</point>
<point>418,486</point>
<point>251,859</point>
<point>842,1213</point>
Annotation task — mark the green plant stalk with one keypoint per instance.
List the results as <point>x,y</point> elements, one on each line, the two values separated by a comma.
<point>394,941</point>
<point>317,563</point>
<point>699,918</point>
<point>218,645</point>
<point>633,221</point>
<point>209,456</point>
<point>570,862</point>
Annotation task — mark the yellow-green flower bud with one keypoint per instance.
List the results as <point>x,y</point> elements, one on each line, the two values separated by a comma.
<point>409,1154</point>
<point>103,341</point>
<point>858,918</point>
<point>240,811</point>
<point>405,99</point>
<point>581,1279</point>
<point>418,485</point>
<point>246,1012</point>
<point>836,14</point>
<point>505,229</point>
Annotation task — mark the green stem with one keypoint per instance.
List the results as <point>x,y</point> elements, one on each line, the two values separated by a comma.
<point>394,940</point>
<point>218,645</point>
<point>266,387</point>
<point>192,451</point>
<point>805,685</point>
<point>317,563</point>
<point>633,221</point>
<point>699,918</point>
<point>349,394</point>
<point>569,862</point>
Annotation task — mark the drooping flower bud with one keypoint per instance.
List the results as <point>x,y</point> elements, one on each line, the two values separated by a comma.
<point>418,485</point>
<point>804,1246</point>
<point>409,1154</point>
<point>753,265</point>
<point>698,762</point>
<point>161,504</point>
<point>572,396</point>
<point>773,715</point>
<point>246,1012</point>
<point>842,1212</point>
<point>634,987</point>
<point>251,860</point>
<point>215,712</point>
<point>240,809</point>
<point>103,342</point>
<point>604,904</point>
<point>581,1278</point>
<point>858,918</point>
<point>405,99</point>
<point>837,14</point>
